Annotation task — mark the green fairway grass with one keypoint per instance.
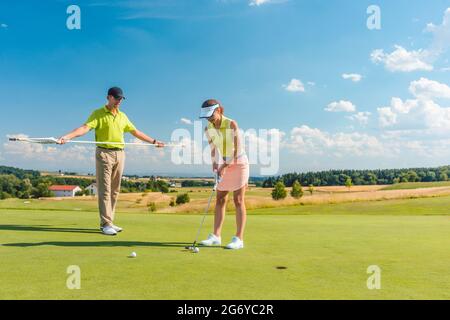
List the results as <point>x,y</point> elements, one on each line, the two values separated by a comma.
<point>416,206</point>
<point>416,185</point>
<point>326,250</point>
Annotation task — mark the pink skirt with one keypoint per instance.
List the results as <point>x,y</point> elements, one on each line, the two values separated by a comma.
<point>235,176</point>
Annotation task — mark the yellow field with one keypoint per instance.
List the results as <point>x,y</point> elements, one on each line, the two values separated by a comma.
<point>255,198</point>
<point>261,198</point>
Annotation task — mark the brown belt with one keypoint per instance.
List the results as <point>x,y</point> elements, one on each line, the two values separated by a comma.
<point>111,149</point>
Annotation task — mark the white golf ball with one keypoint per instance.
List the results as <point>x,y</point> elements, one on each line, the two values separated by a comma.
<point>196,250</point>
<point>133,255</point>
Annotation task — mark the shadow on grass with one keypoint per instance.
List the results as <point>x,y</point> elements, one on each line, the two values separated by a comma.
<point>103,244</point>
<point>48,228</point>
<point>45,228</point>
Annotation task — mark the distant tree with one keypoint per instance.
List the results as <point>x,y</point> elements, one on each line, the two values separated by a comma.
<point>196,183</point>
<point>371,178</point>
<point>182,198</point>
<point>361,177</point>
<point>297,191</point>
<point>151,206</point>
<point>311,189</point>
<point>430,176</point>
<point>10,184</point>
<point>19,173</point>
<point>162,186</point>
<point>343,178</point>
<point>157,186</point>
<point>79,193</point>
<point>41,190</point>
<point>279,192</point>
<point>412,176</point>
<point>4,195</point>
<point>348,183</point>
<point>26,188</point>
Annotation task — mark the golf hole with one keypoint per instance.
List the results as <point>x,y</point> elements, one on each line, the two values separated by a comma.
<point>281,268</point>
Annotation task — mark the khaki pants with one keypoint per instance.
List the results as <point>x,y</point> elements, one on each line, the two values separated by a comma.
<point>109,166</point>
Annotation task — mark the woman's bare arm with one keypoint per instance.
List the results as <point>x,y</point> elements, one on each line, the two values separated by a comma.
<point>213,150</point>
<point>236,139</point>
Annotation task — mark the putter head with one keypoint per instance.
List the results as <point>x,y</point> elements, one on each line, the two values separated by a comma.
<point>192,246</point>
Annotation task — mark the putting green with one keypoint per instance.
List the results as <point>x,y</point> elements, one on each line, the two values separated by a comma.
<point>325,256</point>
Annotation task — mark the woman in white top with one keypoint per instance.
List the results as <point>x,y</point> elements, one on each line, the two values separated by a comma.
<point>231,165</point>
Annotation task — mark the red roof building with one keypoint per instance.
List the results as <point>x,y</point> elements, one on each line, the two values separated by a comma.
<point>62,188</point>
<point>64,191</point>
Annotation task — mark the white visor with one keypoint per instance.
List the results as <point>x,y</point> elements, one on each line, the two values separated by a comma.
<point>208,111</point>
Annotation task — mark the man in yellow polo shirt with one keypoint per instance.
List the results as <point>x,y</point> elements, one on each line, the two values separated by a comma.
<point>110,124</point>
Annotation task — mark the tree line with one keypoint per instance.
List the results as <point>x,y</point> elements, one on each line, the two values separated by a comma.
<point>152,185</point>
<point>360,177</point>
<point>25,184</point>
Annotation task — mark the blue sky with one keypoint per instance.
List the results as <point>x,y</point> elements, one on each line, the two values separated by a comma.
<point>170,55</point>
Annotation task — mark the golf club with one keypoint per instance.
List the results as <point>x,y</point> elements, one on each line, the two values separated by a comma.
<point>52,140</point>
<point>193,247</point>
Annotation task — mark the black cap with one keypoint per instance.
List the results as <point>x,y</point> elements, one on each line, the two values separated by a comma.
<point>116,92</point>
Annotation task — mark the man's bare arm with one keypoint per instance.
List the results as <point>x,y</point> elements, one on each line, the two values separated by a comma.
<point>142,136</point>
<point>78,132</point>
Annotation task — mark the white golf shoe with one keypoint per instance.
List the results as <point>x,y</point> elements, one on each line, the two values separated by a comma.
<point>109,231</point>
<point>212,240</point>
<point>118,229</point>
<point>235,243</point>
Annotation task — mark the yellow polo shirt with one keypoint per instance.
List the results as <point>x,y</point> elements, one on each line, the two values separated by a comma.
<point>109,127</point>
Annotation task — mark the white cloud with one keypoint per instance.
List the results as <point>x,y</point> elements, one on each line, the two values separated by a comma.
<point>186,121</point>
<point>361,117</point>
<point>355,77</point>
<point>403,107</point>
<point>312,83</point>
<point>306,140</point>
<point>421,113</point>
<point>401,114</point>
<point>433,116</point>
<point>258,2</point>
<point>151,155</point>
<point>46,153</point>
<point>429,89</point>
<point>341,106</point>
<point>386,116</point>
<point>402,60</point>
<point>441,34</point>
<point>295,86</point>
<point>3,25</point>
<point>253,139</point>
